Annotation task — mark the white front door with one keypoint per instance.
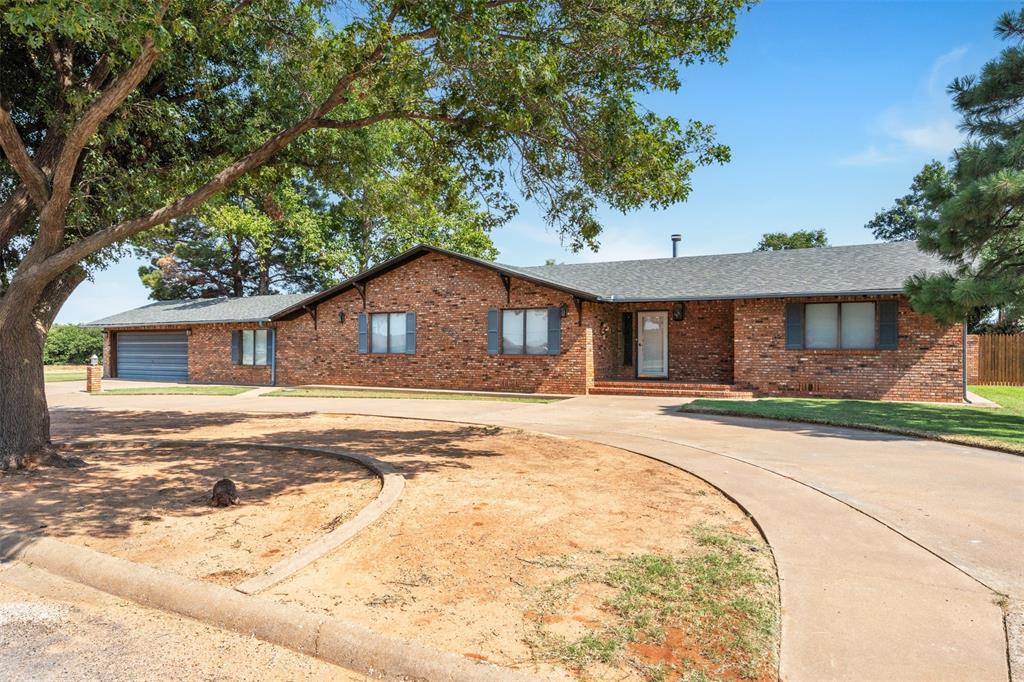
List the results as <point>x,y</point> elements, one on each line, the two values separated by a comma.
<point>652,344</point>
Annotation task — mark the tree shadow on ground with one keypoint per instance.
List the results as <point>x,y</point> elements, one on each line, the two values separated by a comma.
<point>133,474</point>
<point>414,451</point>
<point>132,482</point>
<point>77,421</point>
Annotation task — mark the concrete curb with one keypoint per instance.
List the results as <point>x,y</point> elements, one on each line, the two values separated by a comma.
<point>392,485</point>
<point>345,644</point>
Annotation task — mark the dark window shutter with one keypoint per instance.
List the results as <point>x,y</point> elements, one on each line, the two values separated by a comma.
<point>493,339</point>
<point>236,341</point>
<point>554,330</point>
<point>794,325</point>
<point>363,345</point>
<point>888,332</point>
<point>410,333</point>
<point>271,346</point>
<point>627,339</point>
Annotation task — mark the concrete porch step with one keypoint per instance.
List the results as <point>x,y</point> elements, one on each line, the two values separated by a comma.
<point>664,388</point>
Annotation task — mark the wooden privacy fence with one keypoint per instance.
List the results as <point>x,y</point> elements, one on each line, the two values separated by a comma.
<point>1001,359</point>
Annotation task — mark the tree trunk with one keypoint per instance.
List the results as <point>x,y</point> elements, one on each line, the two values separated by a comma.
<point>24,415</point>
<point>237,276</point>
<point>264,286</point>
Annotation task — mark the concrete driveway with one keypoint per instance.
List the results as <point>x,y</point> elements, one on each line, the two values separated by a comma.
<point>892,552</point>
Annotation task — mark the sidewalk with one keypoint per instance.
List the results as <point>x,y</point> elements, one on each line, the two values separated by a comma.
<point>872,533</point>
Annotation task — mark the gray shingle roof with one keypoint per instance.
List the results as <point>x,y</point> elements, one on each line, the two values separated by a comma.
<point>836,270</point>
<point>203,311</point>
<point>863,269</point>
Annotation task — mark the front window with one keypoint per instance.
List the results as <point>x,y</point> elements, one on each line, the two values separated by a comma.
<point>524,331</point>
<point>839,325</point>
<point>387,332</point>
<point>254,347</point>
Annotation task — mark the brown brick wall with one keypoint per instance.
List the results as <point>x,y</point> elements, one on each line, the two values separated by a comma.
<point>718,341</point>
<point>108,357</point>
<point>209,358</point>
<point>927,364</point>
<point>209,354</point>
<point>973,350</point>
<point>450,298</point>
<point>700,346</point>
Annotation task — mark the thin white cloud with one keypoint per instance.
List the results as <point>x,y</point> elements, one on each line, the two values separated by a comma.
<point>938,77</point>
<point>924,125</point>
<point>872,156</point>
<point>938,137</point>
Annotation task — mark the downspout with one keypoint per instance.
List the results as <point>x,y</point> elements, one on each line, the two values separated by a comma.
<point>273,358</point>
<point>964,360</point>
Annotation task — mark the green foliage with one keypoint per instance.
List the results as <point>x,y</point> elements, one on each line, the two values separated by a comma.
<point>72,344</point>
<point>248,242</point>
<point>783,241</point>
<point>899,222</point>
<point>972,215</point>
<point>441,103</point>
<point>308,221</point>
<point>717,598</point>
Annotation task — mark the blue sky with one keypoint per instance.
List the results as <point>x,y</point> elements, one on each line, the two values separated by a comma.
<point>830,108</point>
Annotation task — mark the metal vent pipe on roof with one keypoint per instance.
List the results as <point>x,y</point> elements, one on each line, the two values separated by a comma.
<point>676,238</point>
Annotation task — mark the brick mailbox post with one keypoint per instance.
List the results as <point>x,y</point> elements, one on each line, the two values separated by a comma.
<point>94,376</point>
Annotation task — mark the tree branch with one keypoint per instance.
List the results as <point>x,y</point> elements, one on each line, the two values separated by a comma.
<point>14,149</point>
<point>385,116</point>
<point>60,261</point>
<point>54,297</point>
<point>94,115</point>
<point>98,75</point>
<point>14,213</point>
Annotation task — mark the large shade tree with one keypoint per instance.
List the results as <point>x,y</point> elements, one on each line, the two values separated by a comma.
<point>254,240</point>
<point>319,214</point>
<point>117,116</point>
<point>972,213</point>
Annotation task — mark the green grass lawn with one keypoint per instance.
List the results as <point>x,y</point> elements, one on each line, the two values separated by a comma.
<point>1001,428</point>
<point>179,390</point>
<point>419,395</point>
<point>53,373</point>
<point>719,597</point>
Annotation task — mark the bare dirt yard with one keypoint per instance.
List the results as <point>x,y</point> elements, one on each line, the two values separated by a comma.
<point>151,504</point>
<point>562,558</point>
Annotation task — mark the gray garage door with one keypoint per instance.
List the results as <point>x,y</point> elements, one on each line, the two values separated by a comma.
<point>160,356</point>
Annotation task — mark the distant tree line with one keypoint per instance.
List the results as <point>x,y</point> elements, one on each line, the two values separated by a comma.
<point>72,344</point>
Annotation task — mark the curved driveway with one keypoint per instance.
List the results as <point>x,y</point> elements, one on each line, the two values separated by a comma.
<point>890,550</point>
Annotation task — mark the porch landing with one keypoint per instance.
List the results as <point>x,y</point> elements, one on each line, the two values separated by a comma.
<point>659,387</point>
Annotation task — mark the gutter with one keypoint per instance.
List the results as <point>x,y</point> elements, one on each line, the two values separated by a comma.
<point>741,297</point>
<point>100,324</point>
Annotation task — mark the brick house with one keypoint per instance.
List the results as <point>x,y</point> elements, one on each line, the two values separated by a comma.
<point>828,322</point>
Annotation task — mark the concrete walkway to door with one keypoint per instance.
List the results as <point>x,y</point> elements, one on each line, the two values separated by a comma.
<point>890,550</point>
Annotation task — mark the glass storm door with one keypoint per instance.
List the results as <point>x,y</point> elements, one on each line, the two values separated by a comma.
<point>652,344</point>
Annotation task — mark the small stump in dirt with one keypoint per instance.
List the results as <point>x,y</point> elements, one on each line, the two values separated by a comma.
<point>225,493</point>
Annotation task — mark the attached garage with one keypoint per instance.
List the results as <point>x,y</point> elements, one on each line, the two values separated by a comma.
<point>158,356</point>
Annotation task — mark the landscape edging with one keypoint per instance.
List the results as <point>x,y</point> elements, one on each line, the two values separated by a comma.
<point>392,485</point>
